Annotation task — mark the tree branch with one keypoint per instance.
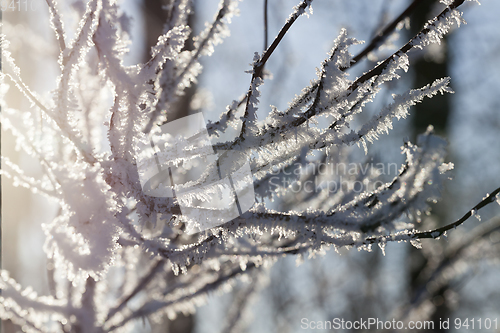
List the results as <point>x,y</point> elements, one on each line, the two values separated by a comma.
<point>436,233</point>
<point>259,65</point>
<point>380,37</point>
<point>141,285</point>
<point>440,231</point>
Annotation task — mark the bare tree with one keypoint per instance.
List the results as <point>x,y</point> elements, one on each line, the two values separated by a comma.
<point>116,243</point>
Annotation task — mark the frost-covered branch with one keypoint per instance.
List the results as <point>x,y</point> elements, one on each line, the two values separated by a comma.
<point>384,34</point>
<point>441,231</point>
<point>124,242</point>
<point>57,25</point>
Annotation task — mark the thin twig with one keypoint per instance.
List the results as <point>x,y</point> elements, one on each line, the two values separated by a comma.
<point>145,310</point>
<point>196,54</point>
<point>380,37</point>
<point>451,257</point>
<point>265,24</point>
<point>236,314</point>
<point>141,285</point>
<point>58,26</point>
<point>375,42</point>
<point>259,65</point>
<point>440,231</point>
<point>436,233</point>
<point>377,70</point>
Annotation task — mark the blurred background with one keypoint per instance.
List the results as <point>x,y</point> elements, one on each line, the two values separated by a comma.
<point>454,277</point>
